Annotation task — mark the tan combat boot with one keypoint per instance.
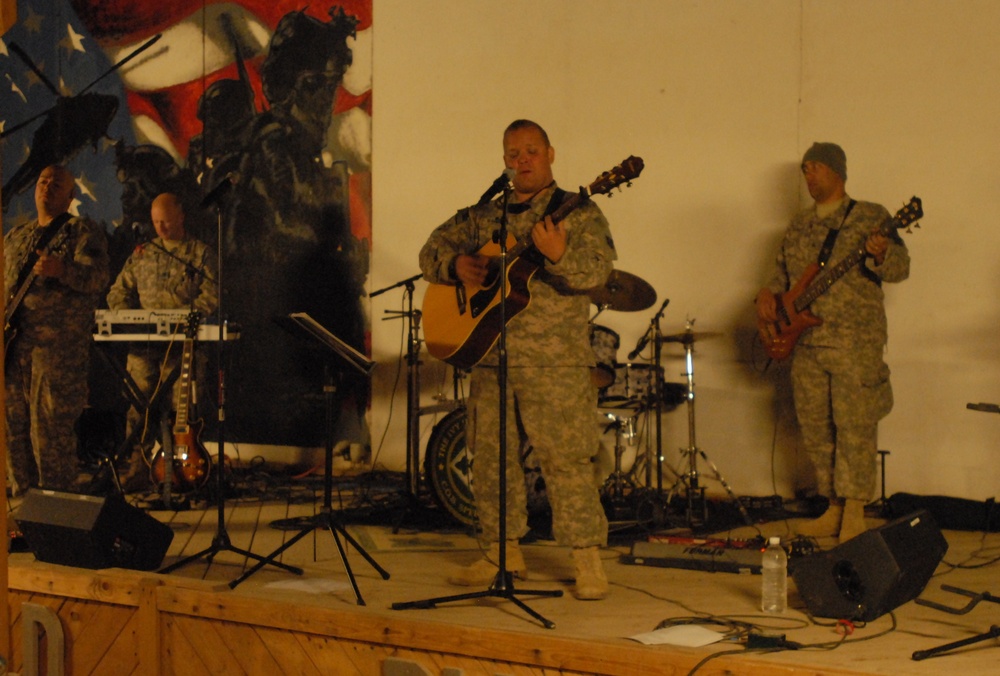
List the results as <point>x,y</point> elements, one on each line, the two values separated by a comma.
<point>827,525</point>
<point>853,522</point>
<point>591,581</point>
<point>485,570</point>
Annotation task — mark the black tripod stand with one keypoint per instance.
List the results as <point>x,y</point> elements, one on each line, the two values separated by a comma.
<point>304,325</point>
<point>221,541</point>
<point>503,584</point>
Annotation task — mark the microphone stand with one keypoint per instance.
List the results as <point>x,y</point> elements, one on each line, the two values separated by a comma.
<point>187,264</point>
<point>503,583</point>
<point>221,542</point>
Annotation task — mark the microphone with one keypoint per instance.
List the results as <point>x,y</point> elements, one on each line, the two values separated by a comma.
<point>140,233</point>
<point>223,187</point>
<point>503,180</point>
<point>646,336</point>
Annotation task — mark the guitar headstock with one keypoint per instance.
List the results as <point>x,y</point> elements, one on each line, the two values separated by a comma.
<point>191,327</point>
<point>911,212</point>
<point>622,173</point>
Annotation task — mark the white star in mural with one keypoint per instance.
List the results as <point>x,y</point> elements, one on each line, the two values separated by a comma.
<point>17,90</point>
<point>33,21</point>
<point>73,42</point>
<point>86,187</point>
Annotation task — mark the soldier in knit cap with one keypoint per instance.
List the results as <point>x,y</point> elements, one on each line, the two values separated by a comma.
<point>839,377</point>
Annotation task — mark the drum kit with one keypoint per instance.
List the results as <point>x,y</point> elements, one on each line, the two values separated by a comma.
<point>626,391</point>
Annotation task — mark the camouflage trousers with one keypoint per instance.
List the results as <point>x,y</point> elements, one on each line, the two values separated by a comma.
<point>840,395</point>
<point>46,388</point>
<point>554,408</point>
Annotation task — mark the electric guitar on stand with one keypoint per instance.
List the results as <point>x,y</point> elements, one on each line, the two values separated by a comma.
<point>462,323</point>
<point>779,337</point>
<point>189,460</point>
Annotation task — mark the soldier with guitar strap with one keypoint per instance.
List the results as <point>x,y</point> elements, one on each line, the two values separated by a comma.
<point>56,265</point>
<point>831,312</point>
<point>555,258</point>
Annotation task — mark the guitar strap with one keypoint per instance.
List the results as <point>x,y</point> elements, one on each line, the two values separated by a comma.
<point>831,237</point>
<point>44,239</point>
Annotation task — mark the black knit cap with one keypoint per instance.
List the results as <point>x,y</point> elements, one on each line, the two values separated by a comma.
<point>829,154</point>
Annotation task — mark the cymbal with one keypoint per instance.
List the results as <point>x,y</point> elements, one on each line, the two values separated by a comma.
<point>689,336</point>
<point>624,292</point>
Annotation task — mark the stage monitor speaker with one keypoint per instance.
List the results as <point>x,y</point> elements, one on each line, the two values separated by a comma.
<point>871,574</point>
<point>91,532</point>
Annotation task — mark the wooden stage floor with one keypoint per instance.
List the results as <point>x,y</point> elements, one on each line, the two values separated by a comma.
<point>418,546</point>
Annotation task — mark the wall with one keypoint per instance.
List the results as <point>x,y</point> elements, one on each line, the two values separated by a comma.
<point>720,99</point>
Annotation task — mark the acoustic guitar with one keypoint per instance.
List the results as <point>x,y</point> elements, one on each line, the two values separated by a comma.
<point>462,322</point>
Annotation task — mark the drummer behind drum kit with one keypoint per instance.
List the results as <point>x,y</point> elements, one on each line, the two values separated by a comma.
<point>625,392</point>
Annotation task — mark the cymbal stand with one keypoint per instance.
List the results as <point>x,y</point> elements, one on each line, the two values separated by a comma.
<point>503,583</point>
<point>695,493</point>
<point>412,381</point>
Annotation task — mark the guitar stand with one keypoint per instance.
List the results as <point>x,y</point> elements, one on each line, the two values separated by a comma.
<point>975,599</point>
<point>326,518</point>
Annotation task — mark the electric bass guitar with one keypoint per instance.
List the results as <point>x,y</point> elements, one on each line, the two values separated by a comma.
<point>462,322</point>
<point>189,460</point>
<point>793,315</point>
<point>28,277</point>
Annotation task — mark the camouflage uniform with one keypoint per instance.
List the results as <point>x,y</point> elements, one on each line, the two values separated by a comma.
<point>46,365</point>
<point>152,279</point>
<point>548,385</point>
<point>840,380</point>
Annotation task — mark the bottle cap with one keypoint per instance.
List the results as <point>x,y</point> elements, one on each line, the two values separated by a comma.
<point>774,540</point>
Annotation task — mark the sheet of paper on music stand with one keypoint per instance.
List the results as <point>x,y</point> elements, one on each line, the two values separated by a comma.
<point>318,331</point>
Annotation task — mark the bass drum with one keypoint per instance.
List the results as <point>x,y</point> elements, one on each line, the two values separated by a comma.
<point>448,470</point>
<point>448,467</point>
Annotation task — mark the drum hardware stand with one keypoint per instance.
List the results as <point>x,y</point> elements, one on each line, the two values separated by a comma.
<point>881,506</point>
<point>993,633</point>
<point>613,488</point>
<point>695,493</point>
<point>503,583</point>
<point>304,325</point>
<point>413,388</point>
<point>412,380</point>
<point>221,542</point>
<point>651,507</point>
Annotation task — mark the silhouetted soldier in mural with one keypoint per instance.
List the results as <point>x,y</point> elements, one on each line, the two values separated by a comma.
<point>287,242</point>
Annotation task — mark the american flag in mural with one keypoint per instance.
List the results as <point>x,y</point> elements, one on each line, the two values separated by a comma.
<point>263,106</point>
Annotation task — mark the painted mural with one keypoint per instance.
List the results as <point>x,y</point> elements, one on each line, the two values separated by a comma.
<point>256,112</point>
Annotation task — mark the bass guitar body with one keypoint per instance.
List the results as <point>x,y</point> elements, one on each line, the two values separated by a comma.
<point>779,337</point>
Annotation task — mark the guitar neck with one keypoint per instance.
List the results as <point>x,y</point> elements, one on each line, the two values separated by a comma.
<point>184,395</point>
<point>572,201</point>
<point>831,274</point>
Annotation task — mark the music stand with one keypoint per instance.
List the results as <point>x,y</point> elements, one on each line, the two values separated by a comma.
<point>304,326</point>
<point>503,584</point>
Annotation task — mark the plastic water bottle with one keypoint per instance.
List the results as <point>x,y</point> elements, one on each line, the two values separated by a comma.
<point>774,578</point>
